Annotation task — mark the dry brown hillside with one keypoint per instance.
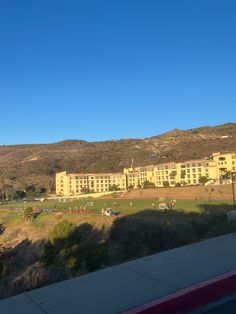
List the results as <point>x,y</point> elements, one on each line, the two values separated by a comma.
<point>204,193</point>
<point>38,163</point>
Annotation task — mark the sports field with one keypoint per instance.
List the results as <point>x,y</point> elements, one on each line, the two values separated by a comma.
<point>121,206</point>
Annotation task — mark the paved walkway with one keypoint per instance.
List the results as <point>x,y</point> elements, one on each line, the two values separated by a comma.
<point>121,287</point>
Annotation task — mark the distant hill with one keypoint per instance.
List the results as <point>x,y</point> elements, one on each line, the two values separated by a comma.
<point>37,164</point>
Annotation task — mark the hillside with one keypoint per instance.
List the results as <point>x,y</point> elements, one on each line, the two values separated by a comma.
<point>37,164</point>
<point>202,193</point>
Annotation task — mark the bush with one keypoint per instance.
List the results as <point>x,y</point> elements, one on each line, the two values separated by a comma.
<point>3,270</point>
<point>203,180</point>
<point>113,187</point>
<point>61,232</point>
<point>77,248</point>
<point>28,213</point>
<point>84,190</point>
<point>148,185</point>
<point>59,240</point>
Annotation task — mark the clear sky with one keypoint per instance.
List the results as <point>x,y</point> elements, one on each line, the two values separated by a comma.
<point>109,69</point>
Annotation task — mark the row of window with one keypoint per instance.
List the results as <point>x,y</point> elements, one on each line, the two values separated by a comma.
<point>95,178</point>
<point>106,180</point>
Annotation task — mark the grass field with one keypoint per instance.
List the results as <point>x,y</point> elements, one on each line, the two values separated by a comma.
<point>100,241</point>
<point>120,205</point>
<point>45,221</point>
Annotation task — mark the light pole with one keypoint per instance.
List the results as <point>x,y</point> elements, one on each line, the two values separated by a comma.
<point>233,173</point>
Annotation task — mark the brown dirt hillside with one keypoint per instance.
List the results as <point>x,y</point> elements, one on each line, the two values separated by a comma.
<point>216,192</point>
<point>38,163</point>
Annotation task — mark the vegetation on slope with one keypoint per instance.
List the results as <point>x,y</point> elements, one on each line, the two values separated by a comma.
<point>51,248</point>
<point>23,165</point>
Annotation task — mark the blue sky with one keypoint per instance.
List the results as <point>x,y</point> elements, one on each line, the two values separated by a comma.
<point>104,69</point>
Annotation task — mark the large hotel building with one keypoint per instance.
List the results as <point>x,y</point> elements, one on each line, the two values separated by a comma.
<point>166,174</point>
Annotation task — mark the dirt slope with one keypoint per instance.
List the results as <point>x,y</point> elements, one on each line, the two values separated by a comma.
<point>23,164</point>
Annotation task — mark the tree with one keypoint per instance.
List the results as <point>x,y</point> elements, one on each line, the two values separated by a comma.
<point>114,187</point>
<point>77,248</point>
<point>59,241</point>
<point>31,188</point>
<point>62,231</point>
<point>203,180</point>
<point>19,194</point>
<point>166,184</point>
<point>209,192</point>
<point>84,190</point>
<point>41,190</point>
<point>225,175</point>
<point>51,186</point>
<point>28,213</point>
<point>8,192</point>
<point>148,185</point>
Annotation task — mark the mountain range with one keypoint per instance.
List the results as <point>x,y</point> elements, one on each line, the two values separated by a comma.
<point>38,163</point>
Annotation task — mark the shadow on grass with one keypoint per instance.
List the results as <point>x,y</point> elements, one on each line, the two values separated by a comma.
<point>215,208</point>
<point>72,250</point>
<point>151,231</point>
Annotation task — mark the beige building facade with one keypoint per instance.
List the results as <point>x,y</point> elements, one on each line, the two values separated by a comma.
<point>162,175</point>
<point>80,183</point>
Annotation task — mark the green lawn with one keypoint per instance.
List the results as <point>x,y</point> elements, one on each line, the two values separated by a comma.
<point>121,206</point>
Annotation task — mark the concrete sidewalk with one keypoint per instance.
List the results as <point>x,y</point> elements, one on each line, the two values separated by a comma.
<point>121,287</point>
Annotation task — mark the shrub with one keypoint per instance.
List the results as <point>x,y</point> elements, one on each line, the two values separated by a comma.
<point>61,232</point>
<point>148,185</point>
<point>203,180</point>
<point>3,270</point>
<point>77,248</point>
<point>59,240</point>
<point>113,187</point>
<point>28,213</point>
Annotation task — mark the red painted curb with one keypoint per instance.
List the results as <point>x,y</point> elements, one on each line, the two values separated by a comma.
<point>190,297</point>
